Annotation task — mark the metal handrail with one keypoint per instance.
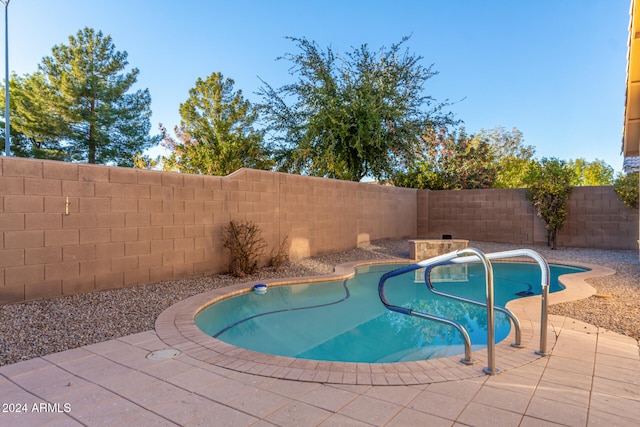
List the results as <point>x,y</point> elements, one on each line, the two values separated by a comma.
<point>458,258</point>
<point>504,310</point>
<point>544,283</point>
<point>489,294</point>
<point>491,342</point>
<point>491,369</point>
<point>468,359</point>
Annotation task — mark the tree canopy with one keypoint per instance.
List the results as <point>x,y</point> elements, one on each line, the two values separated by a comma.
<point>593,173</point>
<point>512,157</point>
<point>79,105</point>
<point>351,116</point>
<point>216,135</point>
<point>364,113</point>
<point>450,161</point>
<point>33,128</point>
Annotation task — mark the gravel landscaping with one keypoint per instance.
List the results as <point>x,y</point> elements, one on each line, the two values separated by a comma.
<point>37,328</point>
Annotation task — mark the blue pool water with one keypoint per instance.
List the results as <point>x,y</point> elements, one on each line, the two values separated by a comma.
<point>345,321</point>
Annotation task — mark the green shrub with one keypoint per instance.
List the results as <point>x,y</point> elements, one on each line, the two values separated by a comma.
<point>626,187</point>
<point>548,188</point>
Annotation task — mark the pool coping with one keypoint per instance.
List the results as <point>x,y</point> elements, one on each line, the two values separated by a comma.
<point>177,329</point>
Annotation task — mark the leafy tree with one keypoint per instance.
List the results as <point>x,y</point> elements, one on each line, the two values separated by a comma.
<point>549,185</point>
<point>33,129</point>
<point>78,103</point>
<point>23,146</point>
<point>451,161</point>
<point>626,187</point>
<point>593,173</point>
<point>512,157</point>
<point>142,161</point>
<point>351,116</point>
<point>216,135</point>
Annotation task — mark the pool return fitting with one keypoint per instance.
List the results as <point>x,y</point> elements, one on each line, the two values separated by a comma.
<point>464,256</point>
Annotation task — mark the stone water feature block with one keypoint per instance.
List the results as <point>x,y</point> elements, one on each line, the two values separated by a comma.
<point>424,249</point>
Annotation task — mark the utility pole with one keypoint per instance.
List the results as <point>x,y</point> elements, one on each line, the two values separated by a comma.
<point>7,126</point>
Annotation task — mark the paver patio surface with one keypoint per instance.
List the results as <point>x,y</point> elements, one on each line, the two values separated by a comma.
<point>591,378</point>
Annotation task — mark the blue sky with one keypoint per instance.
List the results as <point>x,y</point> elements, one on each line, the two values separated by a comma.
<point>555,69</point>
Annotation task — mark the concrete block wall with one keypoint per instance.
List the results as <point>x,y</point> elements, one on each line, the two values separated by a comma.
<point>596,218</point>
<point>325,215</point>
<point>126,226</point>
<point>494,215</point>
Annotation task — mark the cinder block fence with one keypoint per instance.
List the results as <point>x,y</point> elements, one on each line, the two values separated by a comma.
<point>596,218</point>
<point>70,228</point>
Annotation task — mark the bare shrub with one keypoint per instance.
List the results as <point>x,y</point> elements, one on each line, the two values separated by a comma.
<point>246,245</point>
<point>281,256</point>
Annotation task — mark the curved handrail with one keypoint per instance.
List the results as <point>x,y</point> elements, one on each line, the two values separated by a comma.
<point>504,310</point>
<point>491,369</point>
<point>544,283</point>
<point>457,257</point>
<point>468,359</point>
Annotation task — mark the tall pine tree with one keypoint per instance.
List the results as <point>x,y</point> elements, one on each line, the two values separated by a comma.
<point>79,104</point>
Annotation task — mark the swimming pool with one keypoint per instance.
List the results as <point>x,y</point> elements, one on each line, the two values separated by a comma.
<point>344,320</point>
